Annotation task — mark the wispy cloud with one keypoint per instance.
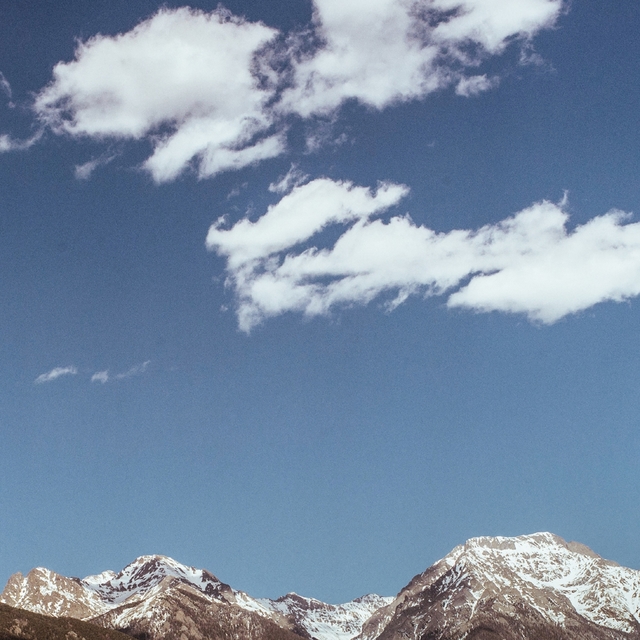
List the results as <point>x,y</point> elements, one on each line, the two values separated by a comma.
<point>475,84</point>
<point>5,87</point>
<point>529,263</point>
<point>291,179</point>
<point>222,89</point>
<point>100,376</point>
<point>134,371</point>
<point>84,171</point>
<point>103,376</point>
<point>56,373</point>
<point>7,143</point>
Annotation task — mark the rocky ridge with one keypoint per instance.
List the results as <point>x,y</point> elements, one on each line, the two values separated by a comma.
<point>526,588</point>
<point>152,592</point>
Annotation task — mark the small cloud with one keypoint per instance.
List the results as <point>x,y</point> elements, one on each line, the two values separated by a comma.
<point>474,85</point>
<point>100,376</point>
<point>134,371</point>
<point>529,56</point>
<point>293,178</point>
<point>103,376</point>
<point>7,143</point>
<point>235,192</point>
<point>84,171</point>
<point>56,373</point>
<point>343,138</point>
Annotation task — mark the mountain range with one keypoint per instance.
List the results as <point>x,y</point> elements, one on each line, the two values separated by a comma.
<point>533,587</point>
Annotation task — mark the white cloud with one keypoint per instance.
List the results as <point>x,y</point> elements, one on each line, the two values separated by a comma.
<point>493,23</point>
<point>299,215</point>
<point>183,78</point>
<point>7,143</point>
<point>384,51</point>
<point>596,262</point>
<point>84,171</point>
<point>291,179</point>
<point>56,373</point>
<point>251,247</point>
<point>475,84</point>
<point>100,376</point>
<point>202,89</point>
<point>529,263</point>
<point>134,371</point>
<point>103,376</point>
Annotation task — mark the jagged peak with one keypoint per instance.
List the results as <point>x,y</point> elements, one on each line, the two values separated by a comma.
<point>151,567</point>
<point>556,580</point>
<point>155,560</point>
<point>41,570</point>
<point>295,597</point>
<point>373,598</point>
<point>512,543</point>
<point>527,543</point>
<point>100,578</point>
<point>368,602</point>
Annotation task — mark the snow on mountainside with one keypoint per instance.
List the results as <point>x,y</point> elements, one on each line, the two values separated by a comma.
<point>536,579</point>
<point>526,588</point>
<point>328,621</point>
<point>137,579</point>
<point>43,591</point>
<point>598,589</point>
<point>141,589</point>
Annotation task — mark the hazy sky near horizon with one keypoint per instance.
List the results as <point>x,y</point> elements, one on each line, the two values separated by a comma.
<point>307,294</point>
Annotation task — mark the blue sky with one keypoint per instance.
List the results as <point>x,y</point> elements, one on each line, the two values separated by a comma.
<point>312,329</point>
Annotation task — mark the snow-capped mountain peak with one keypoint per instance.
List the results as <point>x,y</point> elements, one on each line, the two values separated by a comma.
<point>145,573</point>
<point>327,621</point>
<point>138,591</point>
<point>539,580</point>
<point>523,588</point>
<point>100,578</point>
<point>598,589</point>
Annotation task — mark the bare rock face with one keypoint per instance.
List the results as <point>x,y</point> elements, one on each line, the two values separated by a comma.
<point>527,588</point>
<point>535,587</point>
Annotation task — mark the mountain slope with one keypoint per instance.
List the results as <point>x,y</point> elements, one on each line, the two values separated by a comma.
<point>179,612</point>
<point>150,596</point>
<point>43,591</point>
<point>18,624</point>
<point>535,587</point>
<point>315,619</point>
<point>523,588</point>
